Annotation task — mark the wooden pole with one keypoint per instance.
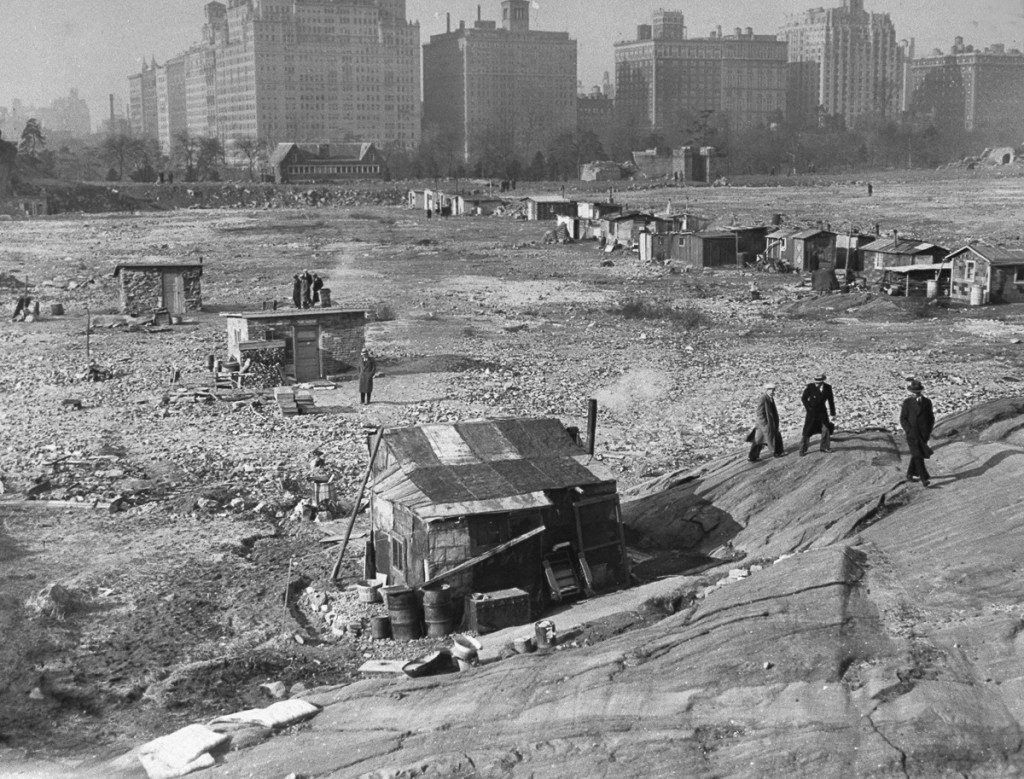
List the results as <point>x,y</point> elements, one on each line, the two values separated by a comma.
<point>88,327</point>
<point>485,556</point>
<point>591,425</point>
<point>355,509</point>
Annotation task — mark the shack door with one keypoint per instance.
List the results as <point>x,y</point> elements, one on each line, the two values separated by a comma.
<point>174,293</point>
<point>307,353</point>
<point>601,542</point>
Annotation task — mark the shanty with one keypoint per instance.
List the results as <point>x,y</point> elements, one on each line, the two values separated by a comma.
<point>149,286</point>
<point>987,274</point>
<point>445,498</point>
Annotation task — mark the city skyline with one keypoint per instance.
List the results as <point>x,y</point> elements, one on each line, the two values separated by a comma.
<point>95,47</point>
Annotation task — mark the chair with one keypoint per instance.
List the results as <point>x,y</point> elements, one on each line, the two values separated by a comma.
<point>560,572</point>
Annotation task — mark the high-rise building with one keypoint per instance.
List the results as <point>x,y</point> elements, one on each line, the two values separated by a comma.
<point>509,86</point>
<point>665,81</point>
<point>310,70</point>
<point>845,62</point>
<point>171,107</point>
<point>143,102</point>
<point>201,74</point>
<point>971,89</point>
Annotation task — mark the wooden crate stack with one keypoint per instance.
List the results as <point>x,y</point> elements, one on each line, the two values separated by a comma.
<point>285,397</point>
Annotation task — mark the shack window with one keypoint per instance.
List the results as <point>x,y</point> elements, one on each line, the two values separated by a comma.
<point>398,554</point>
<point>1018,274</point>
<point>879,262</point>
<point>969,267</point>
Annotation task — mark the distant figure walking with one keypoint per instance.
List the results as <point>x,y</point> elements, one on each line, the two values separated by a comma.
<point>429,212</point>
<point>367,370</point>
<point>307,289</point>
<point>766,428</point>
<point>318,284</point>
<point>297,291</point>
<point>917,419</point>
<point>871,189</point>
<point>818,402</point>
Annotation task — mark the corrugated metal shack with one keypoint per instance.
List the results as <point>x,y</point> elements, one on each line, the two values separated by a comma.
<point>443,494</point>
<point>541,207</point>
<point>708,250</point>
<point>998,272</point>
<point>312,343</point>
<point>895,251</point>
<point>750,242</point>
<point>848,250</point>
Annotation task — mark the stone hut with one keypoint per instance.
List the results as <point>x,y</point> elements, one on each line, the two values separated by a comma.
<point>149,285</point>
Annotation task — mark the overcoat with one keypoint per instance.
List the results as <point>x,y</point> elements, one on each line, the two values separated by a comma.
<point>766,420</point>
<point>917,420</point>
<point>367,370</point>
<point>818,403</point>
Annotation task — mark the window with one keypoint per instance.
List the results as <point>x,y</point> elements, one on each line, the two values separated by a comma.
<point>969,269</point>
<point>1018,274</point>
<point>398,554</point>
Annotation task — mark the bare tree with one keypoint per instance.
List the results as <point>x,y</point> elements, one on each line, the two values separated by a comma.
<point>117,150</point>
<point>252,148</point>
<point>186,150</point>
<point>32,139</point>
<point>209,156</point>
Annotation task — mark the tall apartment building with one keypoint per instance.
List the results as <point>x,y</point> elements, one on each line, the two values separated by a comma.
<point>171,101</point>
<point>142,102</point>
<point>318,70</point>
<point>972,89</point>
<point>666,80</point>
<point>486,82</point>
<point>201,74</point>
<point>845,61</point>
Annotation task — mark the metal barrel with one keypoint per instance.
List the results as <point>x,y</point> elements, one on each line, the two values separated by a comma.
<point>405,613</point>
<point>380,627</point>
<point>438,611</point>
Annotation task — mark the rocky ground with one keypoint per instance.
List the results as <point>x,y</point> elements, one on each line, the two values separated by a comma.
<point>166,513</point>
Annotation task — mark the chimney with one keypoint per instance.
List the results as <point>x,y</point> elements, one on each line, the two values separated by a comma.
<point>749,32</point>
<point>739,32</point>
<point>895,237</point>
<point>448,21</point>
<point>718,31</point>
<point>479,13</point>
<point>111,113</point>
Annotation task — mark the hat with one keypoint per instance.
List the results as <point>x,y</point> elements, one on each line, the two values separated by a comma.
<point>365,350</point>
<point>916,386</point>
<point>820,377</point>
<point>769,386</point>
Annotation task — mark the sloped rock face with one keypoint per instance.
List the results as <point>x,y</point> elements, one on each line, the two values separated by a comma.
<point>895,649</point>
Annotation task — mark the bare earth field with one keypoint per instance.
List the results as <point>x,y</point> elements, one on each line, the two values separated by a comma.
<point>172,607</point>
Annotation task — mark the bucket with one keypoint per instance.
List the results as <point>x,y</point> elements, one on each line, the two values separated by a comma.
<point>405,613</point>
<point>544,632</point>
<point>56,309</point>
<point>931,288</point>
<point>380,628</point>
<point>524,645</point>
<point>465,650</point>
<point>438,612</point>
<point>977,294</point>
<point>368,592</point>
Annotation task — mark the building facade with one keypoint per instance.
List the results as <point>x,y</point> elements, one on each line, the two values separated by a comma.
<point>511,86</point>
<point>971,89</point>
<point>310,71</point>
<point>845,62</point>
<point>171,101</point>
<point>666,81</point>
<point>143,102</point>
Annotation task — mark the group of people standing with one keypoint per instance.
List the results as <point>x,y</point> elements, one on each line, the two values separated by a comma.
<point>306,288</point>
<point>917,418</point>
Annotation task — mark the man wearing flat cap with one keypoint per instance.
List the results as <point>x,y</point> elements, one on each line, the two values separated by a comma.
<point>917,420</point>
<point>818,402</point>
<point>766,430</point>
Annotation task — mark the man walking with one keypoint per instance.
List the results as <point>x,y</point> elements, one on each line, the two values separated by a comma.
<point>818,403</point>
<point>297,291</point>
<point>367,370</point>
<point>917,420</point>
<point>766,431</point>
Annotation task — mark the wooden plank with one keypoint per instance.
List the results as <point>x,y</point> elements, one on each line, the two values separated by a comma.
<point>485,556</point>
<point>359,499</point>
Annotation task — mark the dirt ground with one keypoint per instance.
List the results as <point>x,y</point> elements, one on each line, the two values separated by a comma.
<point>172,608</point>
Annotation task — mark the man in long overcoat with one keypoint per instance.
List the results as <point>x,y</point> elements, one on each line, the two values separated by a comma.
<point>367,370</point>
<point>297,291</point>
<point>917,419</point>
<point>766,431</point>
<point>307,289</point>
<point>316,286</point>
<point>818,402</point>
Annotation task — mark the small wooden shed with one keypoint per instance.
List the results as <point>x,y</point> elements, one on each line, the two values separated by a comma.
<point>312,343</point>
<point>987,274</point>
<point>445,494</point>
<point>750,241</point>
<point>542,207</point>
<point>708,250</point>
<point>813,249</point>
<point>586,209</point>
<point>148,285</point>
<point>895,251</point>
<point>848,250</point>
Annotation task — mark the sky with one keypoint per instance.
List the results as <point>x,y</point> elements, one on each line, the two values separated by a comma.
<point>48,47</point>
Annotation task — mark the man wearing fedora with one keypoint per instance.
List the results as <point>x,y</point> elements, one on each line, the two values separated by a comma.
<point>766,430</point>
<point>367,370</point>
<point>917,420</point>
<point>818,402</point>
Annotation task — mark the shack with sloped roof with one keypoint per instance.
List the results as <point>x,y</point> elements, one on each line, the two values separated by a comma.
<point>896,251</point>
<point>306,163</point>
<point>987,274</point>
<point>443,495</point>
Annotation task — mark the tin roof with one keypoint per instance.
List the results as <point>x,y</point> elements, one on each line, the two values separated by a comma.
<point>899,245</point>
<point>547,199</point>
<point>996,255</point>
<point>804,234</point>
<point>294,313</point>
<point>482,466</point>
<point>158,265</point>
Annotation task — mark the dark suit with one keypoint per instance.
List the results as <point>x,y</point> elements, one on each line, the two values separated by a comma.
<point>766,432</point>
<point>917,420</point>
<point>818,402</point>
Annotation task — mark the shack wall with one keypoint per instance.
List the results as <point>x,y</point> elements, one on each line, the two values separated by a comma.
<point>340,339</point>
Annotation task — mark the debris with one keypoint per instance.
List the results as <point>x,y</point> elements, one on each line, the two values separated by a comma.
<point>180,753</point>
<point>275,690</point>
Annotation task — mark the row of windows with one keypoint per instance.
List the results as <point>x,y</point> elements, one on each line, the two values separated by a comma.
<point>328,169</point>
